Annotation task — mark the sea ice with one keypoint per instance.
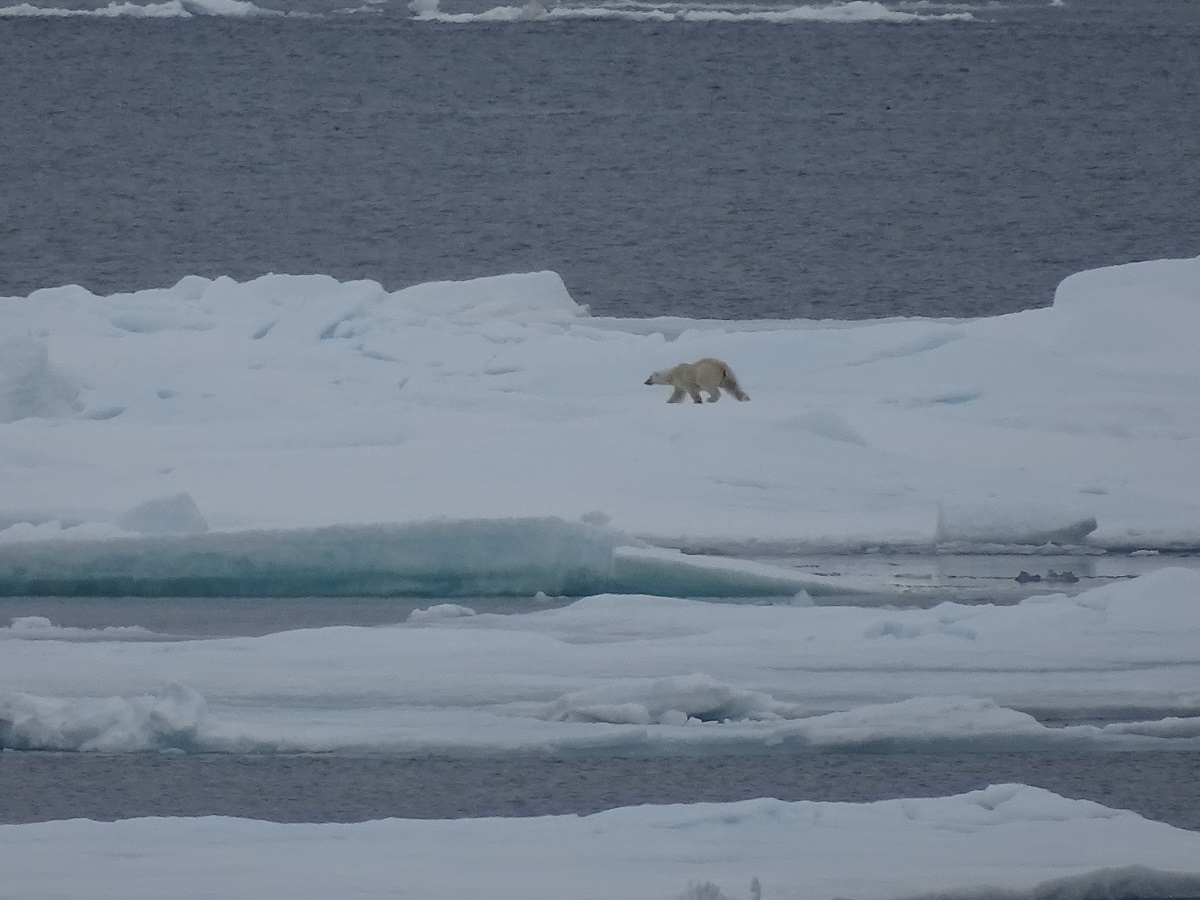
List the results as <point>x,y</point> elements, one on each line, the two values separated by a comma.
<point>298,402</point>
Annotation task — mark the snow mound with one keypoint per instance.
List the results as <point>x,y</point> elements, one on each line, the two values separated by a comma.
<point>1105,312</point>
<point>439,612</point>
<point>168,720</point>
<point>40,628</point>
<point>676,700</point>
<point>1010,523</point>
<point>177,514</point>
<point>535,297</point>
<point>30,386</point>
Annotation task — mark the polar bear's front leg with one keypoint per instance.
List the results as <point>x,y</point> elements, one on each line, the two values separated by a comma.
<point>714,395</point>
<point>676,395</point>
<point>695,392</point>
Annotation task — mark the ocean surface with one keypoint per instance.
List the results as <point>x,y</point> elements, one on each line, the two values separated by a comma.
<point>40,787</point>
<point>732,169</point>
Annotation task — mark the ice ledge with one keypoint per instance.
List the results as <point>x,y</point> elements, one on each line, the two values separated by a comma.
<point>441,558</point>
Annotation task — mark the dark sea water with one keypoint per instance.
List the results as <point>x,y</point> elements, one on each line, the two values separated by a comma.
<point>330,788</point>
<point>716,169</point>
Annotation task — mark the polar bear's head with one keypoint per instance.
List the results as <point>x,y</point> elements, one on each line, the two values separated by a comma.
<point>660,377</point>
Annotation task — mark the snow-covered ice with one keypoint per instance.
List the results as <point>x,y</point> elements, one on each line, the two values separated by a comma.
<point>636,674</point>
<point>294,402</point>
<point>1004,837</point>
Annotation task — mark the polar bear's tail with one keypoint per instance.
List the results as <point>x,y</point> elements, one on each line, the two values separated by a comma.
<point>730,383</point>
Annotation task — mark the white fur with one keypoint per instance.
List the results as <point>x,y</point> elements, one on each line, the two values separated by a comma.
<point>708,375</point>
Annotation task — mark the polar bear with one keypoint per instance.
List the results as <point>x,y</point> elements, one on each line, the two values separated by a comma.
<point>706,374</point>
